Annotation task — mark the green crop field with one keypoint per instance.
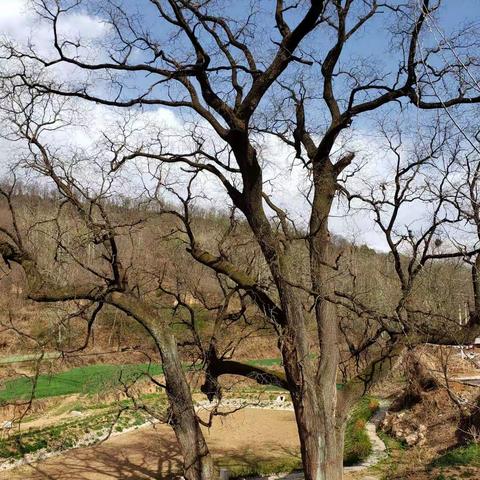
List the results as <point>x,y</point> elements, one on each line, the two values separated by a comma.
<point>87,380</point>
<point>266,362</point>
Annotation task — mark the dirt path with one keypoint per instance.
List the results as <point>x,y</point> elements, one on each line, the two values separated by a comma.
<point>152,453</point>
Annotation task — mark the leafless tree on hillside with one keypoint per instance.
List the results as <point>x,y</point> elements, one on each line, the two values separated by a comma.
<point>217,66</point>
<point>105,278</point>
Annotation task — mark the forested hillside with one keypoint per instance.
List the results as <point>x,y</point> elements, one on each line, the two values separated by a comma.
<point>155,253</point>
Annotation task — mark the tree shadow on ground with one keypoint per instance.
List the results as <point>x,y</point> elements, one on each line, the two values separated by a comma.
<point>154,454</point>
<point>114,463</point>
<point>131,462</point>
<point>279,459</point>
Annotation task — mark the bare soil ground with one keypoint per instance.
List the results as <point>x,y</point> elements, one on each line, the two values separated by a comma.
<point>151,453</point>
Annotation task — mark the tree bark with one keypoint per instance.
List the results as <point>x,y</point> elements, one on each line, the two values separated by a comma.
<point>475,315</point>
<point>315,403</point>
<point>330,463</point>
<point>197,461</point>
<point>321,440</point>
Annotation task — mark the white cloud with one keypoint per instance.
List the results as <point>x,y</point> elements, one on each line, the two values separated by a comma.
<point>19,21</point>
<point>20,24</point>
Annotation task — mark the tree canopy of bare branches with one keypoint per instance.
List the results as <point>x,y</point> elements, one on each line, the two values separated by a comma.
<point>240,74</point>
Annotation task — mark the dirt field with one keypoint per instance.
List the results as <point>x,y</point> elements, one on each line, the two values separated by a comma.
<point>152,453</point>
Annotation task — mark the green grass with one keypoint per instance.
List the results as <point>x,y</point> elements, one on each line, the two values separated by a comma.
<point>265,362</point>
<point>466,455</point>
<point>357,444</point>
<point>87,380</point>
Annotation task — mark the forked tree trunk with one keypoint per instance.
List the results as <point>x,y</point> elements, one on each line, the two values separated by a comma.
<point>312,383</point>
<point>314,400</point>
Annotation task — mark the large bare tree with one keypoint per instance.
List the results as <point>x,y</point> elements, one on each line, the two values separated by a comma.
<point>213,61</point>
<point>91,239</point>
<point>87,250</point>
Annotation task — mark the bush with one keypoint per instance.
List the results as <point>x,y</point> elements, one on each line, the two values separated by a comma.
<point>357,446</point>
<point>373,405</point>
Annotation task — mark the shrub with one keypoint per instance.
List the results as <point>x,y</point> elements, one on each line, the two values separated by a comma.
<point>373,405</point>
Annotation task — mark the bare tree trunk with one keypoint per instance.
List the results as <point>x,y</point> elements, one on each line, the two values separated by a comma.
<point>197,461</point>
<point>330,438</point>
<point>321,444</point>
<point>321,440</point>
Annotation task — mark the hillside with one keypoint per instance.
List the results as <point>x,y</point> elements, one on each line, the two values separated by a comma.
<point>161,268</point>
